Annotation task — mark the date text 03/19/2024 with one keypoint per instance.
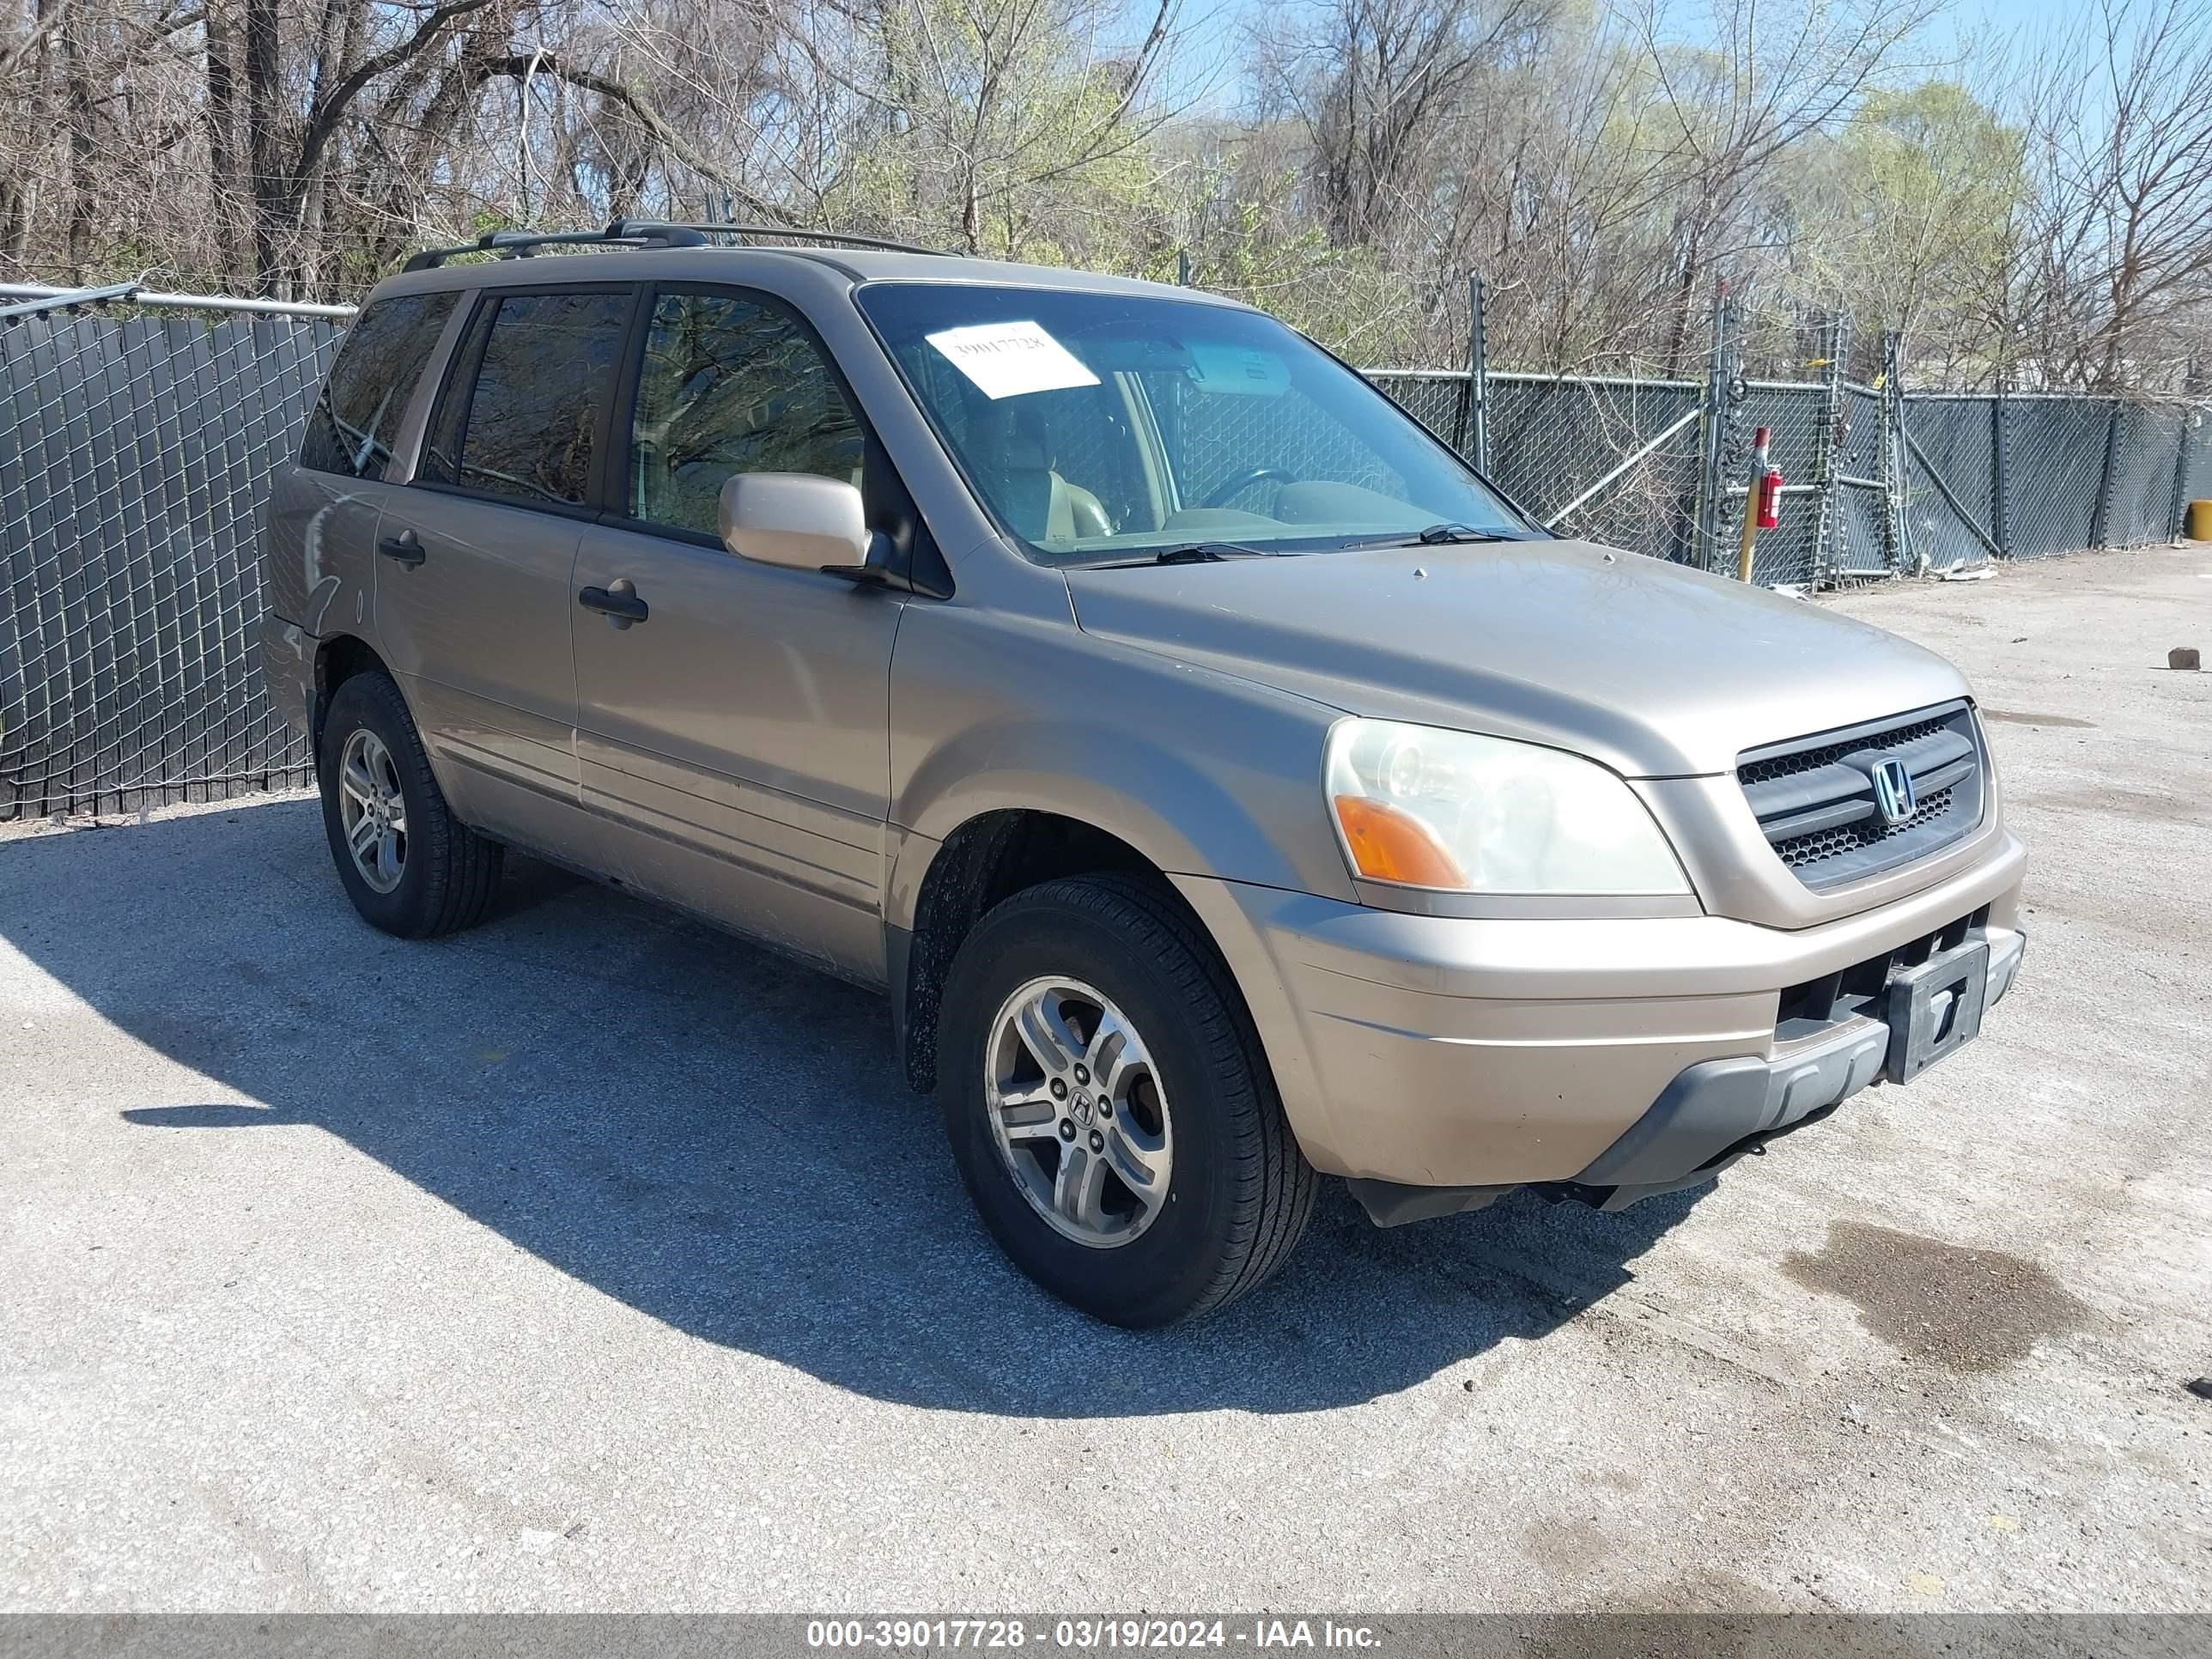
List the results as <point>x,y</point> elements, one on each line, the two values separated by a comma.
<point>1099,1634</point>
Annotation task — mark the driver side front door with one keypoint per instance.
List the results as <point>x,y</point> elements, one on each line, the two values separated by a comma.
<point>734,737</point>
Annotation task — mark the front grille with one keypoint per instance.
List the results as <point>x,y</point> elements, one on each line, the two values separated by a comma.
<point>1816,800</point>
<point>1771,766</point>
<point>1800,851</point>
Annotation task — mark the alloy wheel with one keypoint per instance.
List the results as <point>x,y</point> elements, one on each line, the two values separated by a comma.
<point>373,809</point>
<point>1077,1112</point>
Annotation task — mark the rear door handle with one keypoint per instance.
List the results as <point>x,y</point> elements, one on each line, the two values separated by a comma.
<point>406,547</point>
<point>617,602</point>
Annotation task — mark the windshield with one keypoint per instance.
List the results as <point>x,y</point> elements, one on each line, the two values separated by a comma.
<point>1105,427</point>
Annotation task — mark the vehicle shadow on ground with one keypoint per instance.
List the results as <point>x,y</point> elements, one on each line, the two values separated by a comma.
<point>716,1139</point>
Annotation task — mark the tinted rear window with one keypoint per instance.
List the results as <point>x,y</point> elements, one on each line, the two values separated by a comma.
<point>350,429</point>
<point>520,414</point>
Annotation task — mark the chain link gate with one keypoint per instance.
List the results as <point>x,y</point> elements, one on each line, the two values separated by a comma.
<point>135,444</point>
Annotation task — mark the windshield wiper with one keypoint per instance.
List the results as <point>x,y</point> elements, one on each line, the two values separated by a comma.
<point>1192,553</point>
<point>1446,535</point>
<point>1440,535</point>
<point>1208,553</point>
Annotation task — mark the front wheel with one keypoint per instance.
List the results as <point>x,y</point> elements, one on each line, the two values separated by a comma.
<point>1109,1106</point>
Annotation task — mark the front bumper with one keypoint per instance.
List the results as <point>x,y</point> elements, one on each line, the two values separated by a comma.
<point>1719,1110</point>
<point>1475,1054</point>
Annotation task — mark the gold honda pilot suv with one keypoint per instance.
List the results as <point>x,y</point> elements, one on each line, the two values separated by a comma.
<point>1227,785</point>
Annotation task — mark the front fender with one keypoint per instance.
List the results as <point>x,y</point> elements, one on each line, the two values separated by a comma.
<point>1204,773</point>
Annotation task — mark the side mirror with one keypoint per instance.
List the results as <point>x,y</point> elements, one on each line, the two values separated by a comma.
<point>795,519</point>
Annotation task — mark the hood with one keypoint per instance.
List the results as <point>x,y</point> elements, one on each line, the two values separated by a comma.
<point>1655,669</point>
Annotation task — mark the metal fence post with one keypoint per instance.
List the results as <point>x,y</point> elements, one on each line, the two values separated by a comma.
<point>2101,521</point>
<point>1474,433</point>
<point>1182,267</point>
<point>1836,337</point>
<point>2192,386</point>
<point>2001,465</point>
<point>1712,485</point>
<point>1895,487</point>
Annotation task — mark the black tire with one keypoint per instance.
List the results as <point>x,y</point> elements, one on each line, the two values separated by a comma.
<point>449,874</point>
<point>1239,1192</point>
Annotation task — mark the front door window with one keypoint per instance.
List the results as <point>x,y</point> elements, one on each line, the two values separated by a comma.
<point>729,385</point>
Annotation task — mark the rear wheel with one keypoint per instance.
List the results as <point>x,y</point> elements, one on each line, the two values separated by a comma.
<point>408,864</point>
<point>1109,1106</point>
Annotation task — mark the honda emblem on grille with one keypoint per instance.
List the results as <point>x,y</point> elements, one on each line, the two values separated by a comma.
<point>1892,790</point>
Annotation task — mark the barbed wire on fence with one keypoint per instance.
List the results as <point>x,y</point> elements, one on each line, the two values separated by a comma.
<point>138,430</point>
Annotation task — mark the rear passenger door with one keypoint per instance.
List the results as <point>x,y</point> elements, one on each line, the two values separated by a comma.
<point>735,742</point>
<point>322,513</point>
<point>474,559</point>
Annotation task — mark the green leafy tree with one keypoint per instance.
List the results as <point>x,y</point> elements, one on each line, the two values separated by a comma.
<point>1906,217</point>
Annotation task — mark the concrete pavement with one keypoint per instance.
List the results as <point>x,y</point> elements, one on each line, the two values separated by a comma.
<point>594,1261</point>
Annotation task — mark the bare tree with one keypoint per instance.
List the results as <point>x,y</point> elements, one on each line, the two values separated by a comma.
<point>1768,80</point>
<point>2115,274</point>
<point>1605,163</point>
<point>1374,84</point>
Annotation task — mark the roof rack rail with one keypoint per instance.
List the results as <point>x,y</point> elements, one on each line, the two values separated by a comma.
<point>639,233</point>
<point>522,243</point>
<point>831,238</point>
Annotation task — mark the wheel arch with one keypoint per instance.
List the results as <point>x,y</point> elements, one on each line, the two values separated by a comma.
<point>339,658</point>
<point>984,861</point>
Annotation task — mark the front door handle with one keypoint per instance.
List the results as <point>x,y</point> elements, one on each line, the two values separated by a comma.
<point>617,602</point>
<point>406,547</point>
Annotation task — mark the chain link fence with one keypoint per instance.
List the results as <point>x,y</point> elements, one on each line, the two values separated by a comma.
<point>133,451</point>
<point>137,432</point>
<point>1879,480</point>
<point>1632,479</point>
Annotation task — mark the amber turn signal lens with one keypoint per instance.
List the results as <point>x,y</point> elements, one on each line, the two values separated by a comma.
<point>1388,845</point>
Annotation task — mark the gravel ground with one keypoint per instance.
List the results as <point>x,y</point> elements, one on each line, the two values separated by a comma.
<point>593,1261</point>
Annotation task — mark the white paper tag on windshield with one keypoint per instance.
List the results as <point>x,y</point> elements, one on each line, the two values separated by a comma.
<point>1005,360</point>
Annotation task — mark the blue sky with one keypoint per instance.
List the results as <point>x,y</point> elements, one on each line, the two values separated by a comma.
<point>1205,68</point>
<point>2001,17</point>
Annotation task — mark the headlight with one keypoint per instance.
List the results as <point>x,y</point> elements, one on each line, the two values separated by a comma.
<point>1421,807</point>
